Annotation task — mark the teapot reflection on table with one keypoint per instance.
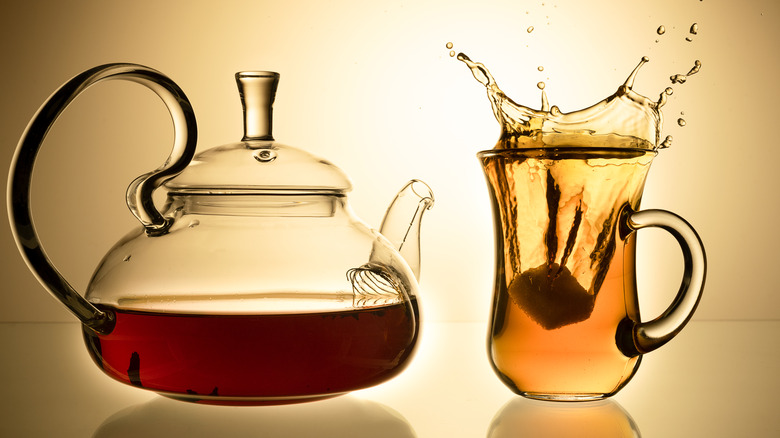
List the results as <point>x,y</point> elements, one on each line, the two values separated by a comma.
<point>255,283</point>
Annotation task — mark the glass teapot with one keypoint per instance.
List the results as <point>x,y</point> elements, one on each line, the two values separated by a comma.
<point>255,283</point>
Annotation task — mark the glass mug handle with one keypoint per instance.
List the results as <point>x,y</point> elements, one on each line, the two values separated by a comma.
<point>634,338</point>
<point>139,193</point>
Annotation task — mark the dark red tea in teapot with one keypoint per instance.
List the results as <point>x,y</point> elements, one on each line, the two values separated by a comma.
<point>233,358</point>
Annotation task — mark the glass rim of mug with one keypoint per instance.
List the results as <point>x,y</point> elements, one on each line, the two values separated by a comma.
<point>569,152</point>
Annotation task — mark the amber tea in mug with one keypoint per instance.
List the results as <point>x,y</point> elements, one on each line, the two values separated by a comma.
<point>564,281</point>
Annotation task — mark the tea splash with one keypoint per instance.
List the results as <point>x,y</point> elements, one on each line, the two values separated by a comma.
<point>625,119</point>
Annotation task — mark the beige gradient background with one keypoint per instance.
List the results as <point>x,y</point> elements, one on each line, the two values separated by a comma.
<point>369,85</point>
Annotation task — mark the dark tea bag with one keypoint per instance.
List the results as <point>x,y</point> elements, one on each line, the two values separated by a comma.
<point>551,296</point>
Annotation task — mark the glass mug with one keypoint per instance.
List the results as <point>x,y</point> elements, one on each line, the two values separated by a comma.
<point>565,319</point>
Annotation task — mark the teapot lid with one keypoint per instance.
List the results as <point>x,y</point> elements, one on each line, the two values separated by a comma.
<point>258,163</point>
<point>253,166</point>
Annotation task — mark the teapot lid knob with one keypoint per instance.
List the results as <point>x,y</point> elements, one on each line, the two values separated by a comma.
<point>257,90</point>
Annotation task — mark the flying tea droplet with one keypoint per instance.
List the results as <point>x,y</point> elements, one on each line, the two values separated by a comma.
<point>664,94</point>
<point>694,29</point>
<point>681,121</point>
<point>695,69</point>
<point>545,102</point>
<point>540,68</point>
<point>681,78</point>
<point>452,53</point>
<point>480,73</point>
<point>661,30</point>
<point>449,45</point>
<point>630,80</point>
<point>530,29</point>
<point>540,85</point>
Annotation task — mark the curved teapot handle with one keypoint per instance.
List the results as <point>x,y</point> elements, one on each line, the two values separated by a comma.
<point>139,194</point>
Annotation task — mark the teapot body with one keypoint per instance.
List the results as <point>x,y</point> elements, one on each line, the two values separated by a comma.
<point>253,299</point>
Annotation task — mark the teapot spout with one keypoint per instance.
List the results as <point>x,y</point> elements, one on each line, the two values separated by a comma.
<point>401,224</point>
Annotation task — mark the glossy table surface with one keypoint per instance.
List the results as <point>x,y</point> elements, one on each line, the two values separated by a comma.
<point>716,379</point>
